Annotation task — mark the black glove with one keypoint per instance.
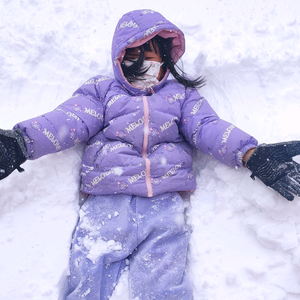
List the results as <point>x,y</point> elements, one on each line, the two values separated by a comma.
<point>13,151</point>
<point>274,166</point>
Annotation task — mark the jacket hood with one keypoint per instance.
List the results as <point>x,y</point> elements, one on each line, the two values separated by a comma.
<point>136,28</point>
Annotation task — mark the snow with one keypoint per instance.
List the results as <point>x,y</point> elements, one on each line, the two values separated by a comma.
<point>245,241</point>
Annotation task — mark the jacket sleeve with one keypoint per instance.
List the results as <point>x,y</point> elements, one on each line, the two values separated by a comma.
<point>203,129</point>
<point>74,121</point>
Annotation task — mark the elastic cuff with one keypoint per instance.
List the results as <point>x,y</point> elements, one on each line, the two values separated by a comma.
<point>28,141</point>
<point>242,152</point>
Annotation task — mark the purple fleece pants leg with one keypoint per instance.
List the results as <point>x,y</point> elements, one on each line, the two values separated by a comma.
<point>149,233</point>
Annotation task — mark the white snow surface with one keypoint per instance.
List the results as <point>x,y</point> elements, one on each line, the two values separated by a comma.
<point>245,240</point>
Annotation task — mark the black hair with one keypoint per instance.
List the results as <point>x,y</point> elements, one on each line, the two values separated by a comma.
<point>165,47</point>
<point>135,71</point>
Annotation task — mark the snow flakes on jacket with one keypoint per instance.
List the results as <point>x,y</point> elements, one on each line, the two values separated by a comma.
<point>138,142</point>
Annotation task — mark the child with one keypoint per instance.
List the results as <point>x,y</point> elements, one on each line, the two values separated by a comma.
<point>139,128</point>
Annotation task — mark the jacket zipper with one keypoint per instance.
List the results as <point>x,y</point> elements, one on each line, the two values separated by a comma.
<point>145,146</point>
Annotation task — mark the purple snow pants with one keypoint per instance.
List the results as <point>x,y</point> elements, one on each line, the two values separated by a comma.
<point>147,234</point>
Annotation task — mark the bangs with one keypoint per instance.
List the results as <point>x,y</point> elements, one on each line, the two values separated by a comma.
<point>135,70</point>
<point>151,45</point>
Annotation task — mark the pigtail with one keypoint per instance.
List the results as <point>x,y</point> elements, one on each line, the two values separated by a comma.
<point>166,47</point>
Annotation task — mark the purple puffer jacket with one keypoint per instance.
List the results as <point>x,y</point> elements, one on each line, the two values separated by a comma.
<point>138,142</point>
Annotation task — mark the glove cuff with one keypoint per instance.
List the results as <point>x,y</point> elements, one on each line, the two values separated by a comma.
<point>21,142</point>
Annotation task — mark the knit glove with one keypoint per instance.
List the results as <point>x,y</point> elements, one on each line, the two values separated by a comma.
<point>13,151</point>
<point>274,166</point>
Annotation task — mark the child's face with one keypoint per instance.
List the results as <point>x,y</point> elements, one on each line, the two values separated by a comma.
<point>153,55</point>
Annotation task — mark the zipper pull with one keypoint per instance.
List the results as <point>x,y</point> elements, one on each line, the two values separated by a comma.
<point>151,90</point>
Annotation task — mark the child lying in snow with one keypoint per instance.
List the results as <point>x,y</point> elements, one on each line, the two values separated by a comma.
<point>139,128</point>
